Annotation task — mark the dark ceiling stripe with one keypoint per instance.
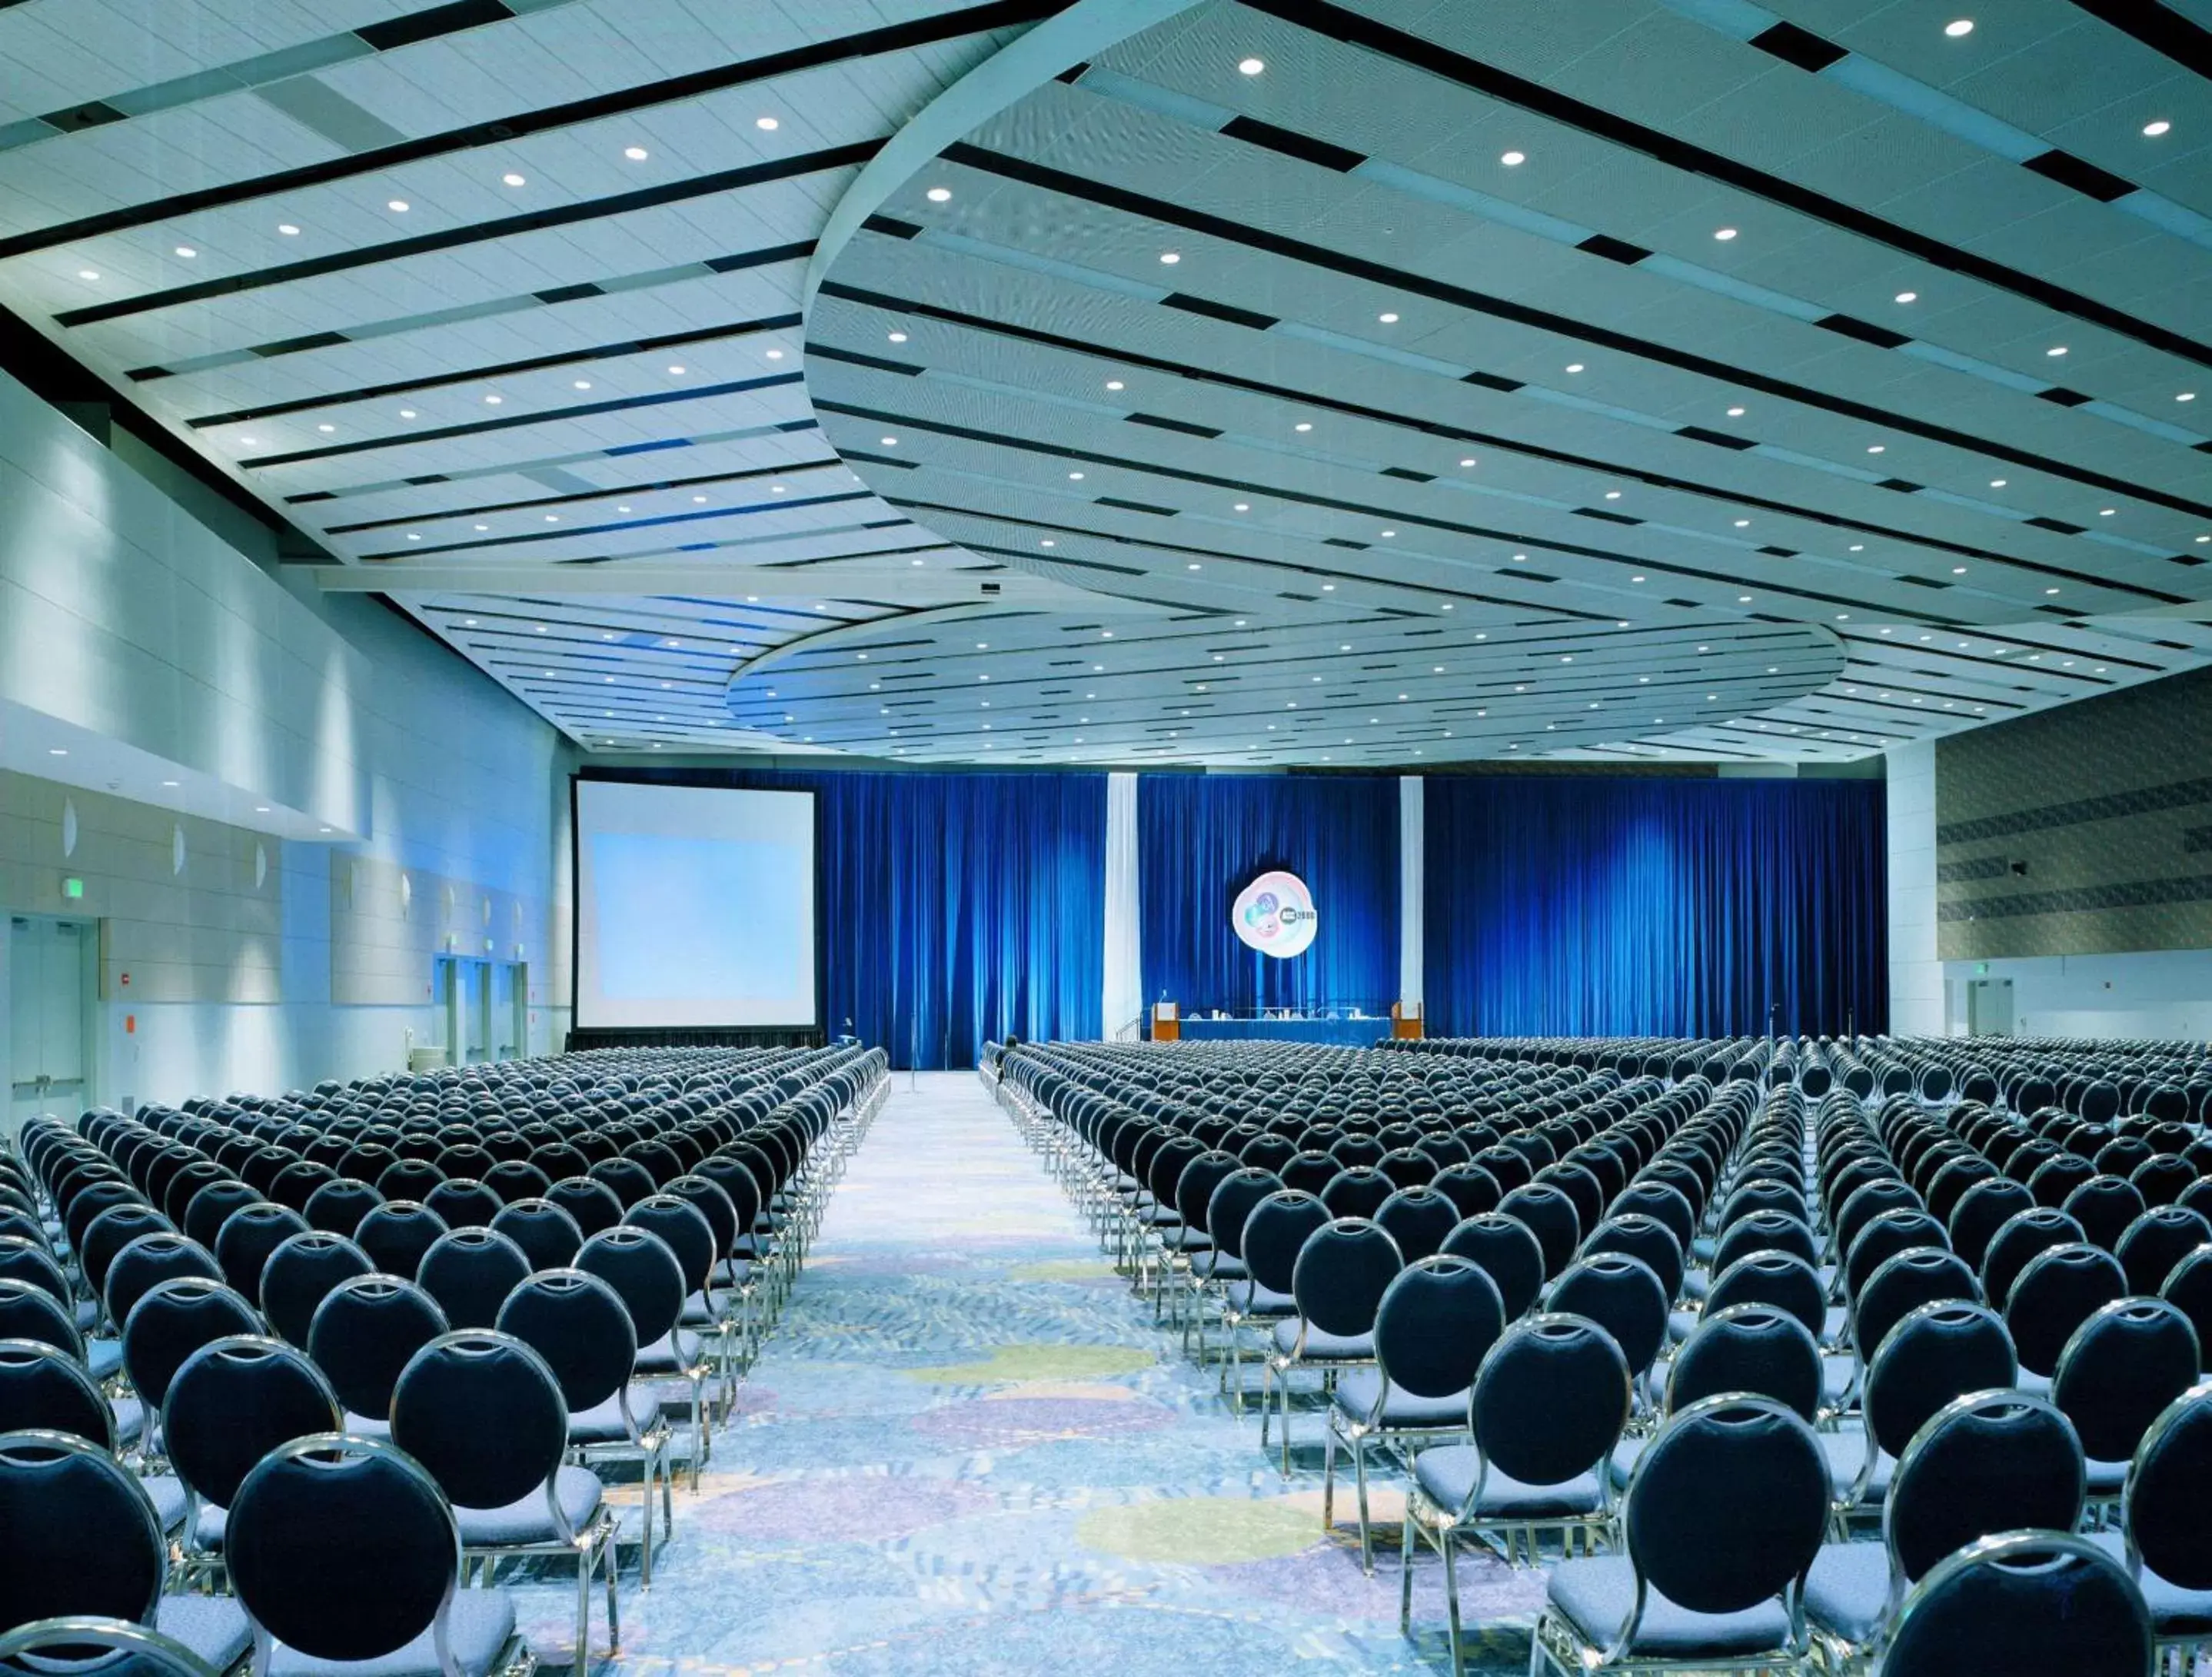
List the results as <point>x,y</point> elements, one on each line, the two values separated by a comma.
<point>536,503</point>
<point>501,370</point>
<point>409,27</point>
<point>513,422</point>
<point>536,220</point>
<point>899,37</point>
<point>1340,23</point>
<point>2159,28</point>
<point>1726,372</point>
<point>1481,439</point>
<point>658,520</point>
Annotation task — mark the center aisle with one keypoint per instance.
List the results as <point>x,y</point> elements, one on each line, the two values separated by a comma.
<point>967,1449</point>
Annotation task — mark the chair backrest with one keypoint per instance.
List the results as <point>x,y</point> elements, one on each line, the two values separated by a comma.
<point>1509,1252</point>
<point>22,1259</point>
<point>513,1179</point>
<point>483,1412</point>
<point>2104,1206</point>
<point>2023,1601</point>
<point>580,1327</point>
<point>1341,1273</point>
<point>2021,1236</point>
<point>78,1532</point>
<point>682,1228</point>
<point>1471,1188</point>
<point>1550,1399</point>
<point>1986,1462</point>
<point>2120,1370</point>
<point>1418,1219</point>
<point>324,1510</point>
<point>64,1643</point>
<point>44,1389</point>
<point>1231,1204</point>
<point>643,1271</point>
<point>1551,1217</point>
<point>1883,1238</point>
<point>1765,1231</point>
<point>397,1234</point>
<point>248,1237</point>
<point>1275,1232</point>
<point>1938,1353</point>
<point>29,1311</point>
<point>2169,1488</point>
<point>233,1402</point>
<point>299,1274</point>
<point>548,1236</point>
<point>2058,1292</point>
<point>211,1206</point>
<point>470,1272</point>
<point>146,1262</point>
<point>1649,1196</point>
<point>2161,1238</point>
<point>1622,1296</point>
<point>409,1179</point>
<point>1918,1275</point>
<point>1357,1190</point>
<point>1438,1320</point>
<point>1758,1348</point>
<point>595,1207</point>
<point>1646,1237</point>
<point>363,1334</point>
<point>338,1206</point>
<point>464,1202</point>
<point>1981,1211</point>
<point>171,1322</point>
<point>1771,1276</point>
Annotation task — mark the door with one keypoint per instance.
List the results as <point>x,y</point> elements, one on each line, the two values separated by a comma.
<point>480,1020</point>
<point>508,1016</point>
<point>1989,1008</point>
<point>48,987</point>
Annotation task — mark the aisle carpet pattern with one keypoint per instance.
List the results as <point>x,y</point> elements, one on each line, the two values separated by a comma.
<point>967,1450</point>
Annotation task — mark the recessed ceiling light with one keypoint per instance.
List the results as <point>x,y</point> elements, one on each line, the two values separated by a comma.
<point>776,355</point>
<point>1328,587</point>
<point>57,751</point>
<point>2056,350</point>
<point>583,384</point>
<point>766,125</point>
<point>513,180</point>
<point>326,427</point>
<point>170,783</point>
<point>896,338</point>
<point>1468,461</point>
<point>407,413</point>
<point>938,194</point>
<point>1302,425</point>
<point>1997,483</point>
<point>1250,66</point>
<point>1242,506</point>
<point>479,526</point>
<point>2186,396</point>
<point>1875,448</point>
<point>1514,159</point>
<point>249,442</point>
<point>288,229</point>
<point>1387,320</point>
<point>2154,129</point>
<point>677,370</point>
<point>636,154</point>
<point>1114,384</point>
<point>187,252</point>
<point>1743,523</point>
<point>1908,296</point>
<point>88,273</point>
<point>1958,28</point>
<point>397,206</point>
<point>1170,256</point>
<point>2051,590</point>
<point>1735,413</point>
<point>891,442</point>
<point>1723,233</point>
<point>1612,495</point>
<point>1574,367</point>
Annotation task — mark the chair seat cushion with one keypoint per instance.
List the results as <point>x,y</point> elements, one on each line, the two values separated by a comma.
<point>604,1424</point>
<point>167,1491</point>
<point>2034,1384</point>
<point>1355,1397</point>
<point>1249,1299</point>
<point>699,1313</point>
<point>1218,1267</point>
<point>663,1358</point>
<point>130,1421</point>
<point>1846,1452</point>
<point>1187,1239</point>
<point>213,1627</point>
<point>478,1627</point>
<point>207,1528</point>
<point>2105,1480</point>
<point>1697,1284</point>
<point>1596,1597</point>
<point>1837,1375</point>
<point>1680,1324</point>
<point>1626,1455</point>
<point>528,1520</point>
<point>1320,1348</point>
<point>2174,1612</point>
<point>103,1358</point>
<point>1447,1475</point>
<point>368,1426</point>
<point>1847,1591</point>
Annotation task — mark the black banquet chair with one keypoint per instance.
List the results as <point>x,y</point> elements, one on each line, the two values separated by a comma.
<point>2023,1601</point>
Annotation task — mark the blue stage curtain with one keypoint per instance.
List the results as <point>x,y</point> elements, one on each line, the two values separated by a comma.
<point>1200,840</point>
<point>952,908</point>
<point>1574,905</point>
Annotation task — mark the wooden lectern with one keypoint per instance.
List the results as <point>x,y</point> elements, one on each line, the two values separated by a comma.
<point>1167,1023</point>
<point>1406,1021</point>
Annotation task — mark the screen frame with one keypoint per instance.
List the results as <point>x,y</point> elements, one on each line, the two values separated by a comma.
<point>678,782</point>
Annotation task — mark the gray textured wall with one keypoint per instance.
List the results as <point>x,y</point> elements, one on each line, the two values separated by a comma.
<point>2109,804</point>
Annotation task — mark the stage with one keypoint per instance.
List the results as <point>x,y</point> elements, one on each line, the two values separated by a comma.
<point>1329,1033</point>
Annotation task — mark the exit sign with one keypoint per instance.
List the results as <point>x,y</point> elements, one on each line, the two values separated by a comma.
<point>72,887</point>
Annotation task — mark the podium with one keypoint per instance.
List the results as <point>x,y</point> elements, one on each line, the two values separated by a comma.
<point>1167,1023</point>
<point>1406,1021</point>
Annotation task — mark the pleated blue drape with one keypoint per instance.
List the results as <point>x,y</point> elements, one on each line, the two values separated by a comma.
<point>1201,839</point>
<point>1690,908</point>
<point>951,909</point>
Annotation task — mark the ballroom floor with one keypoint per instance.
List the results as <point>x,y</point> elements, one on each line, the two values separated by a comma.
<point>967,1450</point>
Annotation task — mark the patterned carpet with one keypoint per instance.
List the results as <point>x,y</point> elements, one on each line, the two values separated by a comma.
<point>967,1450</point>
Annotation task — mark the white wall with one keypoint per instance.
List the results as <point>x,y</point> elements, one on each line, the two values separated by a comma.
<point>2156,993</point>
<point>130,626</point>
<point>1916,976</point>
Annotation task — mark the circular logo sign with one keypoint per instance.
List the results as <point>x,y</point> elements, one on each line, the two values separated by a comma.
<point>1275,914</point>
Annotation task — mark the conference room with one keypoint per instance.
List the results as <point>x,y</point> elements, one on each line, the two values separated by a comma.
<point>986,836</point>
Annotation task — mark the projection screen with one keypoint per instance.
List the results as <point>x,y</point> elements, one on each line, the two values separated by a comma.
<point>694,907</point>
